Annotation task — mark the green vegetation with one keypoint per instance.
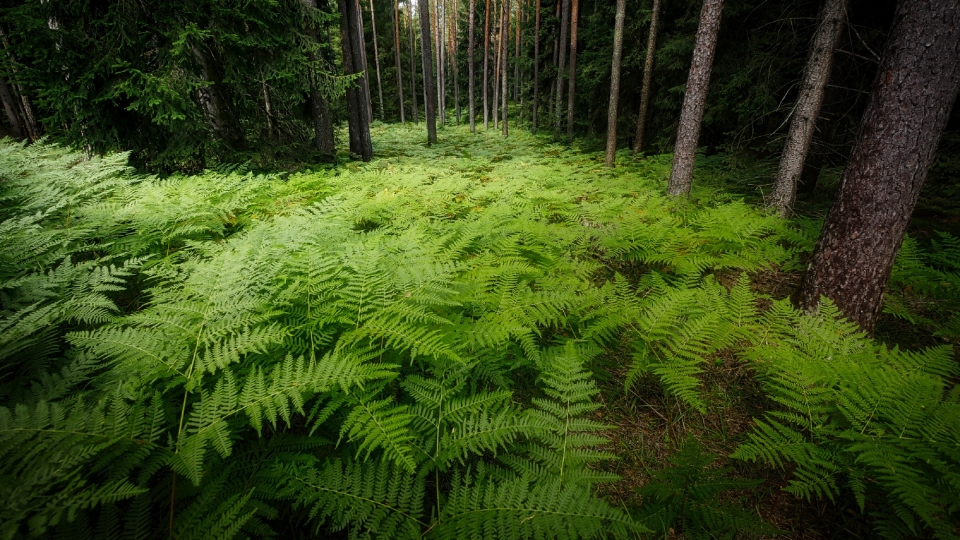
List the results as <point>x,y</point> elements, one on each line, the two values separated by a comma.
<point>407,348</point>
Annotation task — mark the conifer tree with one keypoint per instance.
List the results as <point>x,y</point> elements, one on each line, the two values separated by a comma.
<point>615,84</point>
<point>470,61</point>
<point>572,94</point>
<point>396,56</point>
<point>647,77</point>
<point>426,53</point>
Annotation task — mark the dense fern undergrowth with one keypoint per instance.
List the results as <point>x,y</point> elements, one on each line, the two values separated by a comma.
<point>407,348</point>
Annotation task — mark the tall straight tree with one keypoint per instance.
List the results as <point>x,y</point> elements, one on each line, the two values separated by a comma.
<point>536,71</point>
<point>805,113</point>
<point>505,54</point>
<point>437,66</point>
<point>471,41</point>
<point>376,57</point>
<point>426,52</point>
<point>913,93</point>
<point>572,94</point>
<point>486,68</point>
<point>396,56</point>
<point>319,104</point>
<point>516,56</point>
<point>456,64</point>
<point>413,63</point>
<point>698,81</point>
<point>10,107</point>
<point>647,77</point>
<point>358,105</point>
<point>561,65</point>
<point>442,57</point>
<point>25,106</point>
<point>615,83</point>
<point>496,74</point>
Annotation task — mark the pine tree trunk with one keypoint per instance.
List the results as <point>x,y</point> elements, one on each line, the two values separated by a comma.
<point>516,65</point>
<point>698,81</point>
<point>396,57</point>
<point>10,107</point>
<point>470,47</point>
<point>358,103</point>
<point>505,53</point>
<point>561,65</point>
<point>536,73</point>
<point>647,77</point>
<point>426,53</point>
<point>216,101</point>
<point>413,63</point>
<point>456,66</point>
<point>916,85</point>
<point>319,106</point>
<point>486,69</point>
<point>25,105</point>
<point>362,46</point>
<point>442,57</point>
<point>572,94</point>
<point>615,84</point>
<point>807,110</point>
<point>376,58</point>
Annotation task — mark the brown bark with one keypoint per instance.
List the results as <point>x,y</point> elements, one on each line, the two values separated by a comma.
<point>25,105</point>
<point>504,41</point>
<point>413,63</point>
<point>561,65</point>
<point>536,72</point>
<point>10,107</point>
<point>647,77</point>
<point>396,57</point>
<point>426,53</point>
<point>615,84</point>
<point>361,44</point>
<point>470,47</point>
<point>572,93</point>
<point>496,70</point>
<point>319,106</point>
<point>807,110</point>
<point>376,58</point>
<point>516,65</point>
<point>698,81</point>
<point>216,102</point>
<point>358,104</point>
<point>486,68</point>
<point>456,67</point>
<point>915,88</point>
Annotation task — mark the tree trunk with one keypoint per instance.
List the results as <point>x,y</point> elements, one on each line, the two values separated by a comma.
<point>536,73</point>
<point>358,103</point>
<point>456,66</point>
<point>361,44</point>
<point>516,65</point>
<point>807,110</point>
<point>916,85</point>
<point>572,94</point>
<point>470,46</point>
<point>647,78</point>
<point>376,58</point>
<point>10,107</point>
<point>413,63</point>
<point>505,54</point>
<point>698,81</point>
<point>216,101</point>
<point>426,53</point>
<point>615,84</point>
<point>497,68</point>
<point>561,65</point>
<point>396,56</point>
<point>319,106</point>
<point>486,68</point>
<point>25,105</point>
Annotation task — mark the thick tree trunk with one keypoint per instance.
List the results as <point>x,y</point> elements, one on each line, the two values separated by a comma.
<point>572,93</point>
<point>647,77</point>
<point>396,57</point>
<point>807,110</point>
<point>615,84</point>
<point>25,105</point>
<point>361,44</point>
<point>216,102</point>
<point>376,58</point>
<point>486,68</point>
<point>561,65</point>
<point>456,66</point>
<point>413,63</point>
<point>358,103</point>
<point>536,72</point>
<point>10,107</point>
<point>916,85</point>
<point>698,81</point>
<point>319,106</point>
<point>470,47</point>
<point>505,53</point>
<point>426,53</point>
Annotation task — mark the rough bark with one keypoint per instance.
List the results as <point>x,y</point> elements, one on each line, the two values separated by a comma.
<point>561,65</point>
<point>807,110</point>
<point>456,66</point>
<point>615,83</point>
<point>413,63</point>
<point>426,53</point>
<point>216,101</point>
<point>358,103</point>
<point>516,65</point>
<point>376,58</point>
<point>396,57</point>
<point>437,66</point>
<point>647,77</point>
<point>319,106</point>
<point>10,107</point>
<point>361,45</point>
<point>504,41</point>
<point>536,72</point>
<point>25,105</point>
<point>698,81</point>
<point>486,68</point>
<point>572,93</point>
<point>916,85</point>
<point>470,47</point>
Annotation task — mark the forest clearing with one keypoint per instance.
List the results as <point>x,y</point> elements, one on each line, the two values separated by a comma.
<point>253,284</point>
